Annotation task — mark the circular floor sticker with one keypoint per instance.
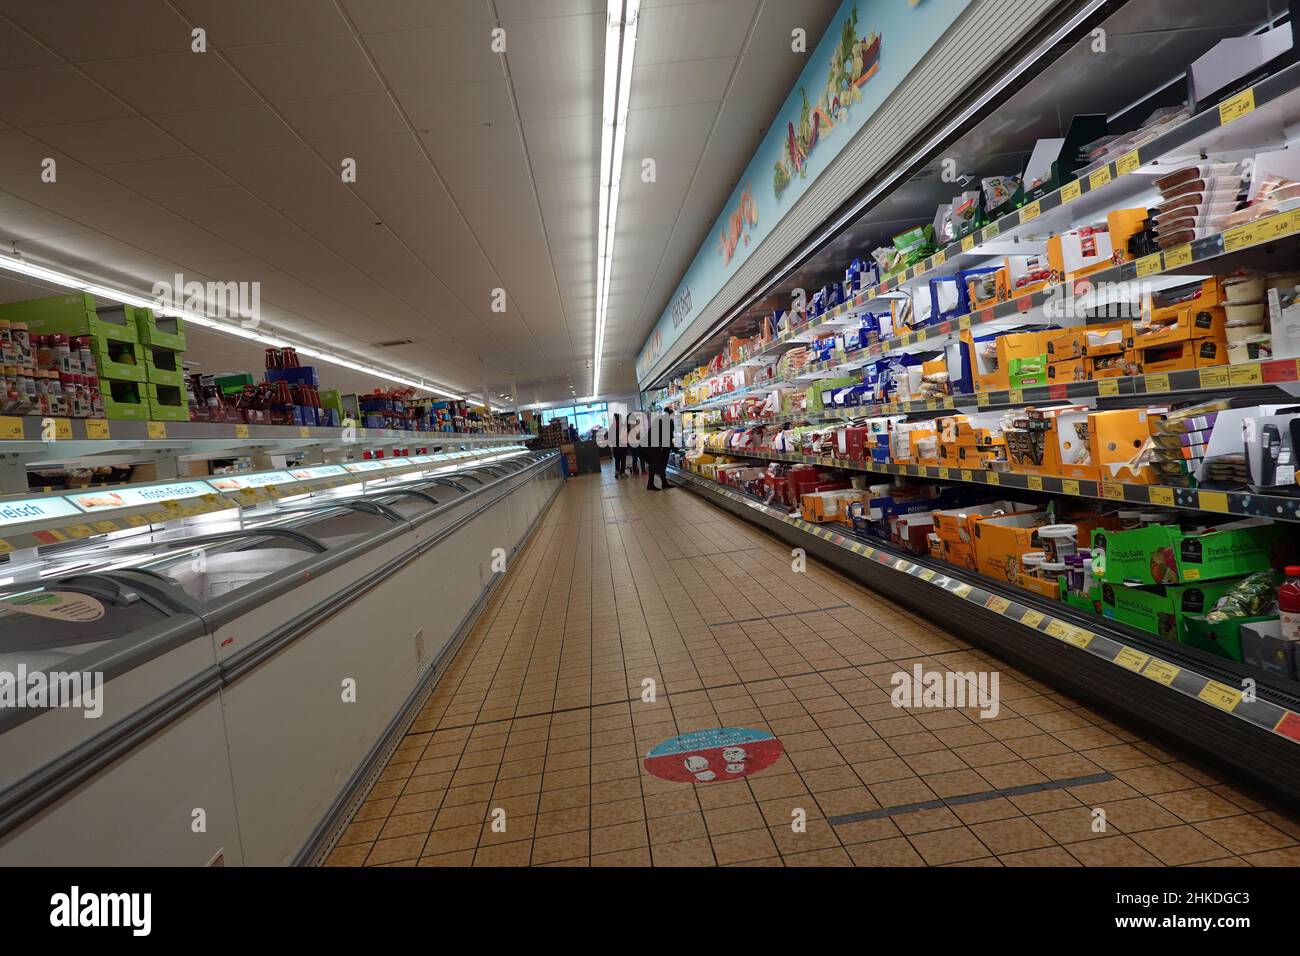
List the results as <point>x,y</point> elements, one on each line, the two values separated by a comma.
<point>715,755</point>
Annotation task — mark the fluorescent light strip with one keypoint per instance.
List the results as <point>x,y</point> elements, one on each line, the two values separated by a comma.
<point>127,298</point>
<point>620,47</point>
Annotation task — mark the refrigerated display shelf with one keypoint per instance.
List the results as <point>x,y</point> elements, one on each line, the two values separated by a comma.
<point>1112,648</point>
<point>1175,260</point>
<point>80,513</point>
<point>1259,102</point>
<point>1211,381</point>
<point>1241,503</point>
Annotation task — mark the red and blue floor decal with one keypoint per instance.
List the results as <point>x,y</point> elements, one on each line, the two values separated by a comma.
<point>714,755</point>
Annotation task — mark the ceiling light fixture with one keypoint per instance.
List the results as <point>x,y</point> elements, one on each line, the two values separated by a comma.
<point>620,45</point>
<point>54,277</point>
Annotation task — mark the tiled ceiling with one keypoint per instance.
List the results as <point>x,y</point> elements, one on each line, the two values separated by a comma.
<point>476,170</point>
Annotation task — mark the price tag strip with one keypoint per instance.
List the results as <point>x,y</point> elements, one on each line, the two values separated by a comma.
<point>1222,697</point>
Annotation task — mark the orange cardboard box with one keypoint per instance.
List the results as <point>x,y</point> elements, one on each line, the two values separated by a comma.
<point>1067,370</point>
<point>1179,356</point>
<point>956,524</point>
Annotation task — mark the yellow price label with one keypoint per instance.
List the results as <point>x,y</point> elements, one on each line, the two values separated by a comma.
<point>1131,659</point>
<point>1031,212</point>
<point>156,430</point>
<point>1178,256</point>
<point>1156,383</point>
<point>1031,618</point>
<point>1112,491</point>
<point>1015,396</point>
<point>939,259</point>
<point>63,429</point>
<point>961,590</point>
<point>303,431</point>
<point>943,472</point>
<point>1149,265</point>
<point>993,478</point>
<point>1035,483</point>
<point>1069,486</point>
<point>1099,177</point>
<point>136,521</point>
<point>1127,163</point>
<point>1245,375</point>
<point>97,428</point>
<point>968,243</point>
<point>966,475</point>
<point>998,604</point>
<point>1220,695</point>
<point>241,431</point>
<point>1214,377</point>
<point>106,527</point>
<point>11,428</point>
<point>1071,191</point>
<point>1107,386</point>
<point>931,404</point>
<point>1212,501</point>
<point>1160,671</point>
<point>1058,629</point>
<point>963,322</point>
<point>1161,496</point>
<point>1240,237</point>
<point>982,398</point>
<point>1237,107</point>
<point>927,574</point>
<point>6,547</point>
<point>1079,637</point>
<point>78,530</point>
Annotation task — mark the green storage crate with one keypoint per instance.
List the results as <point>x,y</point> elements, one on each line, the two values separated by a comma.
<point>167,403</point>
<point>123,400</point>
<point>234,383</point>
<point>163,366</point>
<point>163,331</point>
<point>118,359</point>
<point>72,315</point>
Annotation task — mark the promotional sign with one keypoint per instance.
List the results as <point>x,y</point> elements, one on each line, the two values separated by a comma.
<point>235,482</point>
<point>714,755</point>
<point>866,53</point>
<point>356,466</point>
<point>318,471</point>
<point>25,510</point>
<point>111,499</point>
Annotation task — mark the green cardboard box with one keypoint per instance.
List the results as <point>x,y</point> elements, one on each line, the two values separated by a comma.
<point>1161,609</point>
<point>1164,554</point>
<point>827,385</point>
<point>72,315</point>
<point>163,366</point>
<point>1222,638</point>
<point>118,359</point>
<point>1027,372</point>
<point>124,400</point>
<point>164,331</point>
<point>167,403</point>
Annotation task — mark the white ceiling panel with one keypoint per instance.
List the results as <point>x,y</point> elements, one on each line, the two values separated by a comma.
<point>476,170</point>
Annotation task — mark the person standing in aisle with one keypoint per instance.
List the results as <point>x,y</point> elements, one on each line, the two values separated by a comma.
<point>618,444</point>
<point>661,447</point>
<point>636,444</point>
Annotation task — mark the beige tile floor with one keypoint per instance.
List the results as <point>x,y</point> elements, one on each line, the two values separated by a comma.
<point>539,717</point>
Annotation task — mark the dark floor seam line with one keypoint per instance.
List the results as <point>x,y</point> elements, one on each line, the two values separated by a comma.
<point>969,798</point>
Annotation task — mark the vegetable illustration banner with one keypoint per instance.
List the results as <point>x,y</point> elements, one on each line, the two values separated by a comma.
<point>867,52</point>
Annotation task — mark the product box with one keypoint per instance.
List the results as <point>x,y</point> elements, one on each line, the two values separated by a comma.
<point>1162,608</point>
<point>163,366</point>
<point>164,331</point>
<point>1190,323</point>
<point>1106,339</point>
<point>72,315</point>
<point>992,372</point>
<point>1068,370</point>
<point>1180,356</point>
<point>1164,554</point>
<point>957,524</point>
<point>167,403</point>
<point>1064,344</point>
<point>1027,372</point>
<point>118,358</point>
<point>911,532</point>
<point>124,400</point>
<point>1263,646</point>
<point>999,543</point>
<point>959,553</point>
<point>1117,365</point>
<point>1222,638</point>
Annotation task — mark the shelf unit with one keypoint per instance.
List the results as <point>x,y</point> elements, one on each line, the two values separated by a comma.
<point>1236,124</point>
<point>1201,701</point>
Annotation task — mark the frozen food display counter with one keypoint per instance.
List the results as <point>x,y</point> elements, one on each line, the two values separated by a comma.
<point>222,690</point>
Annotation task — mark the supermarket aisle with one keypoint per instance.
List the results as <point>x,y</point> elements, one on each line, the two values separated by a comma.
<point>541,716</point>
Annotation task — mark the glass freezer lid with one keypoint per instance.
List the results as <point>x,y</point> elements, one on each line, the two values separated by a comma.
<point>45,625</point>
<point>331,522</point>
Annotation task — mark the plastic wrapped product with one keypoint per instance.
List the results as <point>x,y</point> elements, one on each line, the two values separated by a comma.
<point>1179,178</point>
<point>999,190</point>
<point>1248,599</point>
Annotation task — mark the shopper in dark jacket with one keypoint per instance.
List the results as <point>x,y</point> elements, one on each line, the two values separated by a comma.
<point>618,444</point>
<point>661,444</point>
